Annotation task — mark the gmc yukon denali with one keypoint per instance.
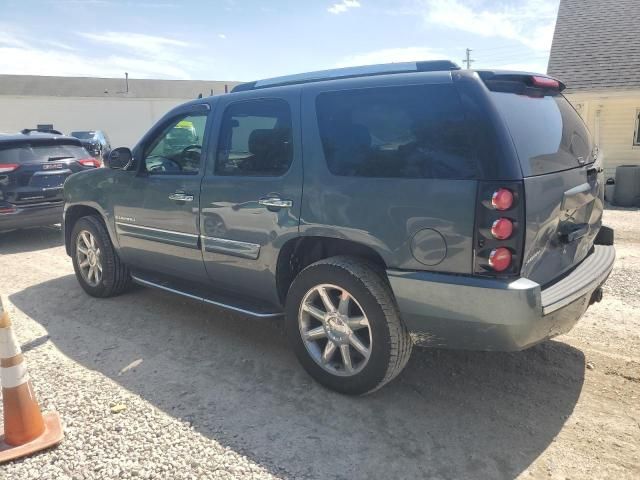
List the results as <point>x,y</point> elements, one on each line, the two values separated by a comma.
<point>372,207</point>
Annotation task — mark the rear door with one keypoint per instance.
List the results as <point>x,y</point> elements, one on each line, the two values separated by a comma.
<point>563,181</point>
<point>34,172</point>
<point>250,200</point>
<point>156,216</point>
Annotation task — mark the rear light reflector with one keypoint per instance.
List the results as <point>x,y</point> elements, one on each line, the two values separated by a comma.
<point>7,210</point>
<point>545,82</point>
<point>502,228</point>
<point>89,162</point>
<point>8,167</point>
<point>500,259</point>
<point>502,199</point>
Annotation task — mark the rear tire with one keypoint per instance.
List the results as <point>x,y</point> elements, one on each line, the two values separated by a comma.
<point>98,268</point>
<point>382,345</point>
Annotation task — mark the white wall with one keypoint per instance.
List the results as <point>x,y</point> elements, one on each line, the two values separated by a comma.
<point>124,120</point>
<point>611,118</point>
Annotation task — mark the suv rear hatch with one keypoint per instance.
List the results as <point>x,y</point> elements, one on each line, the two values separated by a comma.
<point>33,171</point>
<point>563,181</point>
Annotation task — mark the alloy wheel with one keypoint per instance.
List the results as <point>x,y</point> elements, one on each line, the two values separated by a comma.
<point>89,258</point>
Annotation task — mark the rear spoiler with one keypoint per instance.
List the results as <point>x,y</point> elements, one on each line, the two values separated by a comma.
<point>521,83</point>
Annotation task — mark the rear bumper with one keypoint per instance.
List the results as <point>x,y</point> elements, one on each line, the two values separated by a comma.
<point>472,313</point>
<point>31,216</point>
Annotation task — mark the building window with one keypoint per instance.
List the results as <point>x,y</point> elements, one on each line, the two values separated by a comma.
<point>636,133</point>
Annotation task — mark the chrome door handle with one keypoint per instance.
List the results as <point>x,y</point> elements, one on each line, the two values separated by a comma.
<point>181,197</point>
<point>275,202</point>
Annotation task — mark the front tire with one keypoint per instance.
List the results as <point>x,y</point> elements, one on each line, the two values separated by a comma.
<point>343,325</point>
<point>98,268</point>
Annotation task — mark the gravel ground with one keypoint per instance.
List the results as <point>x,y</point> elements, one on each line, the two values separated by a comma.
<point>150,385</point>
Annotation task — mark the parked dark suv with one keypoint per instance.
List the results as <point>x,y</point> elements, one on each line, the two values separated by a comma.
<point>95,141</point>
<point>33,168</point>
<point>374,207</point>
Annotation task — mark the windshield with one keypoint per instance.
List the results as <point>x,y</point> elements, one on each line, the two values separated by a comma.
<point>83,135</point>
<point>548,133</point>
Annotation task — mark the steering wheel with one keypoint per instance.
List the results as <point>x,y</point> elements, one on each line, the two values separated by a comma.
<point>163,165</point>
<point>191,148</point>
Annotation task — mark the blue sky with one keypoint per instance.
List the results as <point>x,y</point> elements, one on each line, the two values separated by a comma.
<point>246,40</point>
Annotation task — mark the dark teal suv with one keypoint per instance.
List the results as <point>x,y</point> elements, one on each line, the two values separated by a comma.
<point>373,207</point>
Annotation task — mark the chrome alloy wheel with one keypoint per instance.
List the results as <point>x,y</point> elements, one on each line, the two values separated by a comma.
<point>89,258</point>
<point>335,330</point>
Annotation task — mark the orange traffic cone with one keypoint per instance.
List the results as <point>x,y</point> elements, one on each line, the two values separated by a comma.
<point>26,430</point>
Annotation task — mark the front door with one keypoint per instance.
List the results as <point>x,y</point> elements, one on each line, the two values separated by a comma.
<point>157,221</point>
<point>250,201</point>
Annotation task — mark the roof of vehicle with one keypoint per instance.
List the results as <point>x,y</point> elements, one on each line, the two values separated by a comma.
<point>349,72</point>
<point>36,136</point>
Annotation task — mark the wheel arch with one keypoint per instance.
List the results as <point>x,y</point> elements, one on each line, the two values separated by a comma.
<point>75,212</point>
<point>300,252</point>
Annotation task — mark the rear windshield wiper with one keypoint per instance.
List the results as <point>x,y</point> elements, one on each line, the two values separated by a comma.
<point>52,159</point>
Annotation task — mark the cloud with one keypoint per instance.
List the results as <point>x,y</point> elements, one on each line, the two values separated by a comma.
<point>343,6</point>
<point>390,55</point>
<point>530,22</point>
<point>222,36</point>
<point>143,56</point>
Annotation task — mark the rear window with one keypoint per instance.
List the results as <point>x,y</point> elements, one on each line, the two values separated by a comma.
<point>83,135</point>
<point>27,153</point>
<point>416,131</point>
<point>548,133</point>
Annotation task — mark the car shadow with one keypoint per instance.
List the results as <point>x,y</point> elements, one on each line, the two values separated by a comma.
<point>30,239</point>
<point>449,414</point>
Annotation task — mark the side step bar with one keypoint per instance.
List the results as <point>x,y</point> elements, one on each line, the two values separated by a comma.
<point>147,283</point>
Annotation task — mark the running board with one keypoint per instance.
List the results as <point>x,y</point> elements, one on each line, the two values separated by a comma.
<point>147,283</point>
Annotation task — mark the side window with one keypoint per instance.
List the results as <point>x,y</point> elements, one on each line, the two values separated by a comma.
<point>177,150</point>
<point>416,131</point>
<point>636,135</point>
<point>255,139</point>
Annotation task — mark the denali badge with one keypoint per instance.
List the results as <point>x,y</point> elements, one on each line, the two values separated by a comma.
<point>52,166</point>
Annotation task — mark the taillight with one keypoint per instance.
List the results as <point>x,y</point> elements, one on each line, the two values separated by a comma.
<point>8,167</point>
<point>499,231</point>
<point>502,228</point>
<point>545,82</point>
<point>502,199</point>
<point>89,162</point>
<point>500,259</point>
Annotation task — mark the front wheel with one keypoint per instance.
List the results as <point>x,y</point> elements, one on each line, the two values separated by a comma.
<point>344,326</point>
<point>98,268</point>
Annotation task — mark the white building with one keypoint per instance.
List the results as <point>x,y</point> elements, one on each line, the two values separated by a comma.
<point>123,109</point>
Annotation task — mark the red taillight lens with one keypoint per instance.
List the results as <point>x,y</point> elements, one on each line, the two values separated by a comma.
<point>545,82</point>
<point>89,162</point>
<point>8,167</point>
<point>502,228</point>
<point>502,199</point>
<point>500,259</point>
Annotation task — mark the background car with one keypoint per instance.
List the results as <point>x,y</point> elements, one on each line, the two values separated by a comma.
<point>33,168</point>
<point>95,141</point>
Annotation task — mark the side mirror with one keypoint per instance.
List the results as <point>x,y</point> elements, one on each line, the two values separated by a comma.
<point>119,158</point>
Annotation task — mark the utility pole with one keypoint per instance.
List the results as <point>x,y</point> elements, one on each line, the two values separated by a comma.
<point>468,60</point>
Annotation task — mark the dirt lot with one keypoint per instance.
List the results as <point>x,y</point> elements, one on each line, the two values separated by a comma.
<point>209,394</point>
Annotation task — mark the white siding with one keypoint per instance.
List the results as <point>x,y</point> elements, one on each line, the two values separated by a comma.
<point>611,117</point>
<point>124,120</point>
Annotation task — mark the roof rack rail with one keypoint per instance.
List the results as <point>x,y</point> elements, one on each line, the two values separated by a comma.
<point>26,131</point>
<point>349,72</point>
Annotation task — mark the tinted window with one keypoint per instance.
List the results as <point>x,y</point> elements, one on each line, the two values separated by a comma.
<point>26,153</point>
<point>83,135</point>
<point>177,150</point>
<point>255,139</point>
<point>411,131</point>
<point>548,133</point>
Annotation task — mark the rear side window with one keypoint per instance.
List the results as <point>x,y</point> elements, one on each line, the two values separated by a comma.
<point>255,139</point>
<point>416,131</point>
<point>548,133</point>
<point>26,153</point>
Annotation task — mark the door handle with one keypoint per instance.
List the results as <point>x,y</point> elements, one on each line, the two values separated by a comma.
<point>275,202</point>
<point>181,197</point>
